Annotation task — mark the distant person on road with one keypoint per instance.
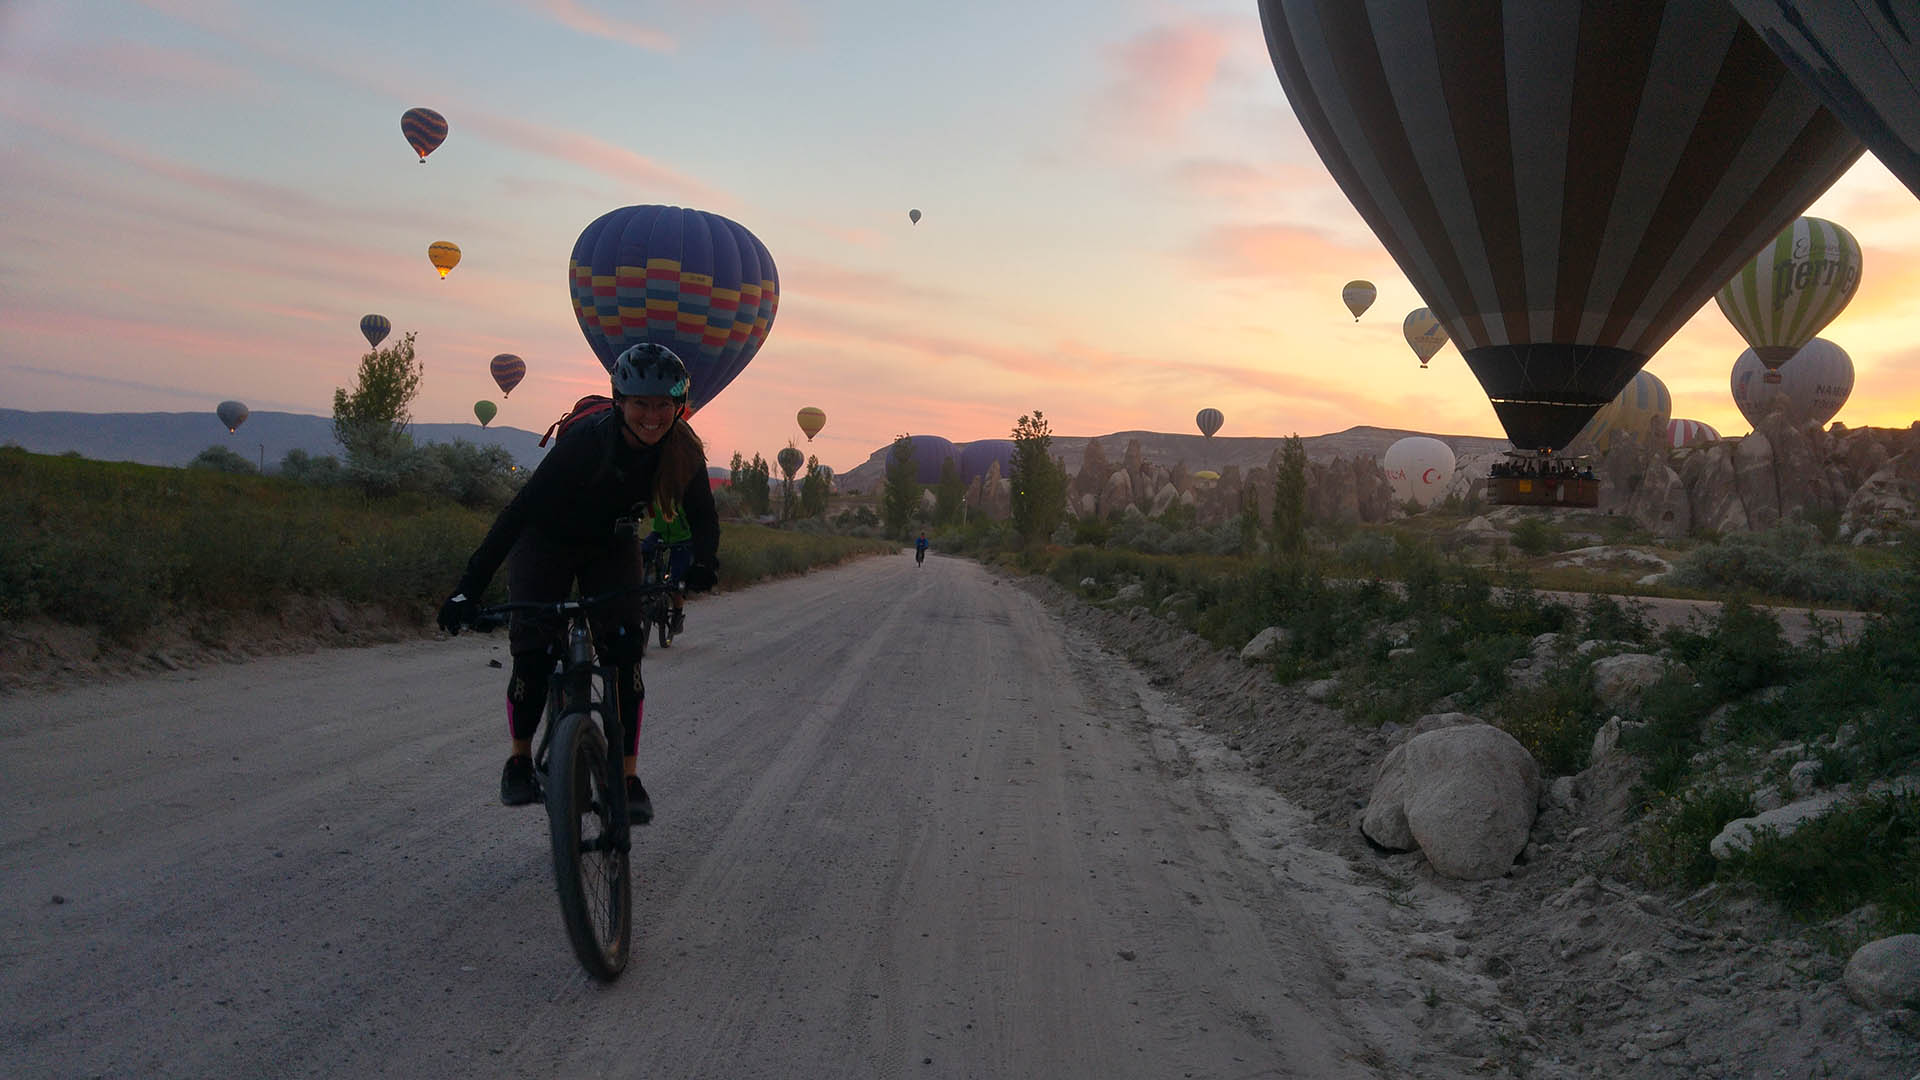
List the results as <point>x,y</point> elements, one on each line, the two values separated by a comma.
<point>920,550</point>
<point>625,463</point>
<point>670,528</point>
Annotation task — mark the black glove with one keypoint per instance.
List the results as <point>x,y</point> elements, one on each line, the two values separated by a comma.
<point>700,577</point>
<point>457,612</point>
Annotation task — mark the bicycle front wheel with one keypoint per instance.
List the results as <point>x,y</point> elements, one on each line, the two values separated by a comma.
<point>589,870</point>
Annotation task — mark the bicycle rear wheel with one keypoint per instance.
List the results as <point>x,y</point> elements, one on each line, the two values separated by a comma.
<point>590,872</point>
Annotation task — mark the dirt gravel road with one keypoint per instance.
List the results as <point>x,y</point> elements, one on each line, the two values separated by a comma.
<point>910,825</point>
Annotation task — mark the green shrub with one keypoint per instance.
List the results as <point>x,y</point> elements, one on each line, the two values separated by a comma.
<point>1866,852</point>
<point>1789,561</point>
<point>1672,837</point>
<point>1535,536</point>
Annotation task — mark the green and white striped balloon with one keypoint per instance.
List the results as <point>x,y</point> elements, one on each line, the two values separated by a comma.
<point>1792,289</point>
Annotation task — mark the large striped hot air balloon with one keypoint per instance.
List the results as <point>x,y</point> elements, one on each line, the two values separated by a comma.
<point>790,459</point>
<point>1424,332</point>
<point>697,283</point>
<point>1863,58</point>
<point>444,255</point>
<point>375,329</point>
<point>1815,383</point>
<point>507,371</point>
<point>425,131</point>
<point>1358,296</point>
<point>811,421</point>
<point>1209,421</point>
<point>1564,182</point>
<point>1792,289</point>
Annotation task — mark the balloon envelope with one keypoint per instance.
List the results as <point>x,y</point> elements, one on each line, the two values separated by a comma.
<point>1562,223</point>
<point>978,457</point>
<point>811,421</point>
<point>790,459</point>
<point>425,131</point>
<point>1358,296</point>
<point>913,216</point>
<point>1642,408</point>
<point>1814,385</point>
<point>232,414</point>
<point>697,283</point>
<point>485,411</point>
<point>507,371</point>
<point>1419,468</point>
<point>1791,289</point>
<point>376,328</point>
<point>1863,59</point>
<point>929,453</point>
<point>1689,433</point>
<point>1424,332</point>
<point>444,255</point>
<point>1209,421</point>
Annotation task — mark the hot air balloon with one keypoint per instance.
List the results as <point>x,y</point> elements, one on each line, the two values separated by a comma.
<point>376,328</point>
<point>930,452</point>
<point>1815,384</point>
<point>444,254</point>
<point>978,458</point>
<point>1689,433</point>
<point>1424,332</point>
<point>1561,213</point>
<point>1418,468</point>
<point>811,421</point>
<point>1358,296</point>
<point>1863,59</point>
<point>485,411</point>
<point>425,131</point>
<point>232,414</point>
<point>1642,408</point>
<point>1792,289</point>
<point>695,282</point>
<point>1209,421</point>
<point>507,370</point>
<point>913,216</point>
<point>790,459</point>
<point>1206,474</point>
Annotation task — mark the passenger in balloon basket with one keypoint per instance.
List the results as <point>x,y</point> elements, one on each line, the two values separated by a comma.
<point>573,523</point>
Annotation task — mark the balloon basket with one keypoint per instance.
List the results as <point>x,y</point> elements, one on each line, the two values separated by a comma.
<point>1771,376</point>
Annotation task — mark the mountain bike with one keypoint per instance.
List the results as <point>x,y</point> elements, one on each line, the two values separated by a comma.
<point>658,606</point>
<point>584,787</point>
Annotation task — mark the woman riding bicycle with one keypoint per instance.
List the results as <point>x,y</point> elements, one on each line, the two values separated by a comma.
<point>627,462</point>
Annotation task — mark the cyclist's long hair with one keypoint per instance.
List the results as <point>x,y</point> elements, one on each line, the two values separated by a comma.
<point>682,457</point>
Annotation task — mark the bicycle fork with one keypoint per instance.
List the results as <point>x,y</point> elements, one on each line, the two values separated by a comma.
<point>581,672</point>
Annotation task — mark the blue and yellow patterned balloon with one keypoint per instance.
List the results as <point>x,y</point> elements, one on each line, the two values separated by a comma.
<point>698,283</point>
<point>376,328</point>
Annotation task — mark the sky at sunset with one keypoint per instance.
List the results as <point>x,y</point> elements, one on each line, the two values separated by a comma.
<point>1123,222</point>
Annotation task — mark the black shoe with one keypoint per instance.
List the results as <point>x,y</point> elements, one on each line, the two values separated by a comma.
<point>516,782</point>
<point>679,621</point>
<point>639,807</point>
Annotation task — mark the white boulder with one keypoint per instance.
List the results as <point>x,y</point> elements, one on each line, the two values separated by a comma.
<point>1885,974</point>
<point>1738,835</point>
<point>1267,644</point>
<point>1623,678</point>
<point>1471,795</point>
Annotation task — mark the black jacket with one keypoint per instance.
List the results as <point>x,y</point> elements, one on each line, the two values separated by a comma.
<point>590,479</point>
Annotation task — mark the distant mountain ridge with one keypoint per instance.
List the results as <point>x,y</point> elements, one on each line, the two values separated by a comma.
<point>177,438</point>
<point>1217,453</point>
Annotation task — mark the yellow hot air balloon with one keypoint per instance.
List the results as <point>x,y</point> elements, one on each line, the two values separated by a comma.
<point>444,254</point>
<point>811,421</point>
<point>1424,332</point>
<point>1358,296</point>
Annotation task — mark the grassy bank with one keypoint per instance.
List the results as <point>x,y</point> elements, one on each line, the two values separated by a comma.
<point>125,548</point>
<point>1717,739</point>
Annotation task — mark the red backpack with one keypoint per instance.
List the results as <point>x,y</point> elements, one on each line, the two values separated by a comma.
<point>589,406</point>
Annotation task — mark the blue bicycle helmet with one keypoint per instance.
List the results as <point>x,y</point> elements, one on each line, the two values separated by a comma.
<point>649,370</point>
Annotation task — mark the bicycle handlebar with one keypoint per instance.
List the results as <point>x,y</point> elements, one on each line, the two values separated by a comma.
<point>494,616</point>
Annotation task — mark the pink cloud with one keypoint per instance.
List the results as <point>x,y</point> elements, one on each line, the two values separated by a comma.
<point>135,71</point>
<point>1222,180</point>
<point>1162,77</point>
<point>1291,253</point>
<point>826,282</point>
<point>577,16</point>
